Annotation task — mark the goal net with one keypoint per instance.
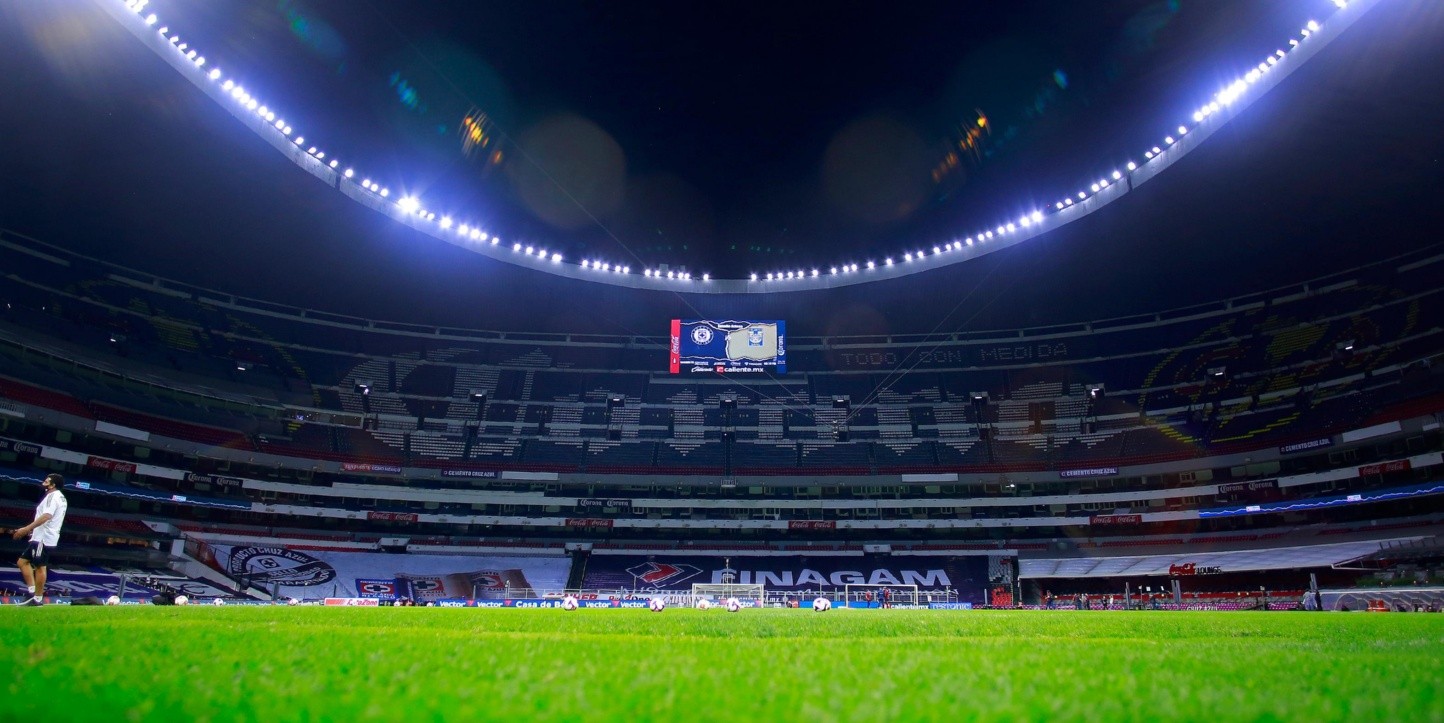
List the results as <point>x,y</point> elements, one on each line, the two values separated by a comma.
<point>877,596</point>
<point>750,595</point>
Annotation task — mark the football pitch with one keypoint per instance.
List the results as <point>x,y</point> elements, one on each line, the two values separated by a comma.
<point>203,663</point>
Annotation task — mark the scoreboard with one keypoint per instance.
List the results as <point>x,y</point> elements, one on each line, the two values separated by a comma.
<point>726,347</point>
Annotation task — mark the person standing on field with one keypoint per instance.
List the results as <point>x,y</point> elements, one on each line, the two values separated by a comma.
<point>44,534</point>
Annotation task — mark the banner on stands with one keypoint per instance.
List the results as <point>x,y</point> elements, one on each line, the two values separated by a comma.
<point>1306,446</point>
<point>368,467</point>
<point>392,516</point>
<point>1398,465</point>
<point>110,464</point>
<point>598,502</point>
<point>812,524</point>
<point>1090,472</point>
<point>1115,520</point>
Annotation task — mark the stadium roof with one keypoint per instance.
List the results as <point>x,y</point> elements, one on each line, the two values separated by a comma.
<point>109,152</point>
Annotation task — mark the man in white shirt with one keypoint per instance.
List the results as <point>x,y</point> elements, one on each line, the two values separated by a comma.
<point>44,534</point>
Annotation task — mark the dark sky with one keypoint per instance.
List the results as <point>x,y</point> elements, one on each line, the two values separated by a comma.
<point>731,137</point>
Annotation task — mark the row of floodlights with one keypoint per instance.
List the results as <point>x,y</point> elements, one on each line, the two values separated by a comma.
<point>411,206</point>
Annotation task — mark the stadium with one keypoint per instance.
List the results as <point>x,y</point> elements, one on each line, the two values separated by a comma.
<point>1023,367</point>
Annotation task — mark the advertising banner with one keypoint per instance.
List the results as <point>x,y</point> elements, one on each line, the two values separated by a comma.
<point>666,572</point>
<point>311,574</point>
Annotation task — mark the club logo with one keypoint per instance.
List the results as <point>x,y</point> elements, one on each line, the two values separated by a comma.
<point>658,574</point>
<point>265,565</point>
<point>376,588</point>
<point>701,336</point>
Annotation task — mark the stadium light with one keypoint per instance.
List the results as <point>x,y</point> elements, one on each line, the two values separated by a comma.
<point>215,73</point>
<point>150,19</point>
<point>408,204</point>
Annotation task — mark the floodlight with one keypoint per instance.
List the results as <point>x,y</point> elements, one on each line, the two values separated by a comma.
<point>446,222</point>
<point>1314,26</point>
<point>834,271</point>
<point>706,277</point>
<point>150,19</point>
<point>215,73</point>
<point>408,204</point>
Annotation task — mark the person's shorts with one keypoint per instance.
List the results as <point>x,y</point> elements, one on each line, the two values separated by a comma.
<point>36,553</point>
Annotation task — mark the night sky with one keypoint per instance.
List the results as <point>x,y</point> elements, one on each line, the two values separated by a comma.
<point>730,137</point>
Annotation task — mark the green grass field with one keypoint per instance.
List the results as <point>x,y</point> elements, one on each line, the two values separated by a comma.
<point>410,664</point>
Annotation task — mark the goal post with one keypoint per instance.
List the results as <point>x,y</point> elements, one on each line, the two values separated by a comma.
<point>750,594</point>
<point>876,596</point>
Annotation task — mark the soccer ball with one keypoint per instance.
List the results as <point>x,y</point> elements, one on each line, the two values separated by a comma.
<point>182,600</point>
<point>733,604</point>
<point>570,603</point>
<point>293,601</point>
<point>218,601</point>
<point>821,605</point>
<point>113,600</point>
<point>703,604</point>
<point>657,604</point>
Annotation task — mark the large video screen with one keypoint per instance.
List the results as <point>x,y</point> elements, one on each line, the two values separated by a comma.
<point>726,347</point>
